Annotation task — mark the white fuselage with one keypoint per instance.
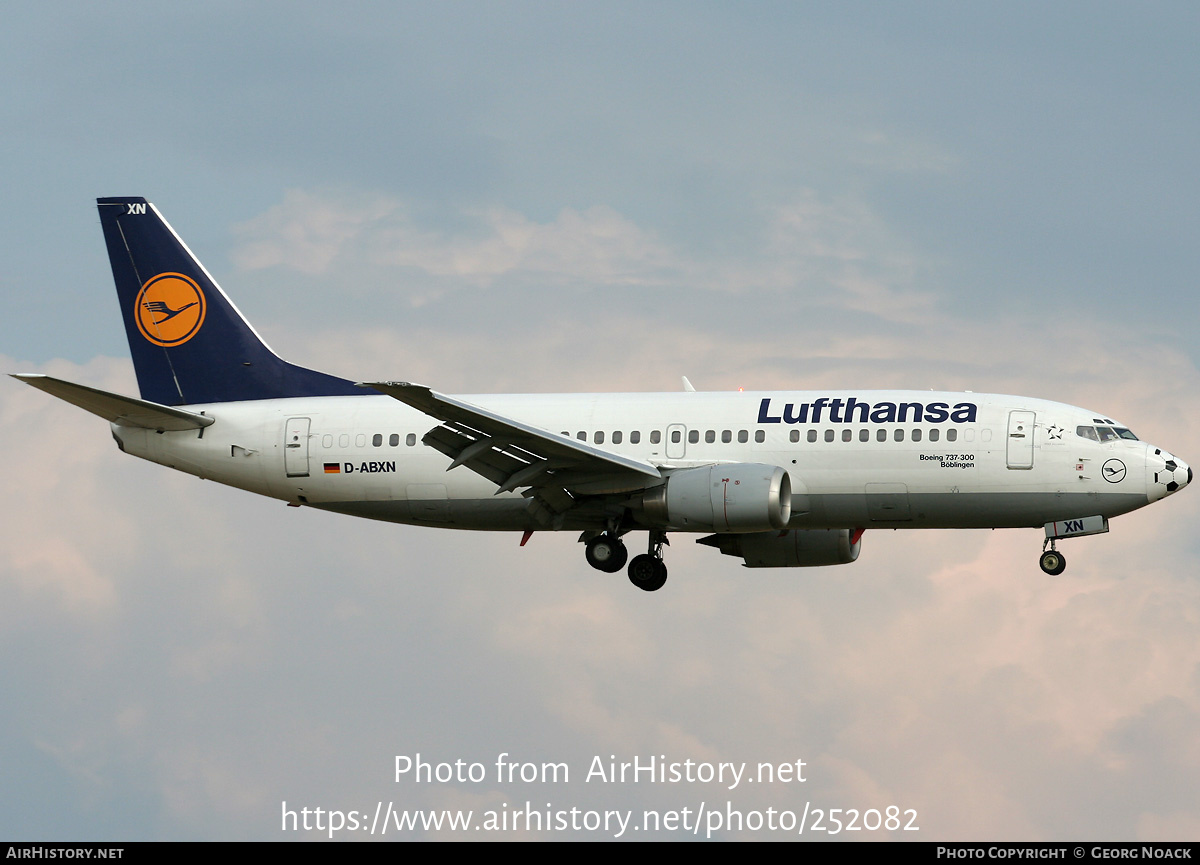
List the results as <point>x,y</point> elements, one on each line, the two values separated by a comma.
<point>856,459</point>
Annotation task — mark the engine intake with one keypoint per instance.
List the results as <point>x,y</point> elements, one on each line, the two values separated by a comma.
<point>733,497</point>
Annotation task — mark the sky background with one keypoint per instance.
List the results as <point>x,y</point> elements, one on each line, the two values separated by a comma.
<point>510,197</point>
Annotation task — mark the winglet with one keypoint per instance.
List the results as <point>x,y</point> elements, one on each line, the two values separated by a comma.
<point>687,385</point>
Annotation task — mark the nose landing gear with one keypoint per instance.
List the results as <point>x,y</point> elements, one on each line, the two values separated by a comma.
<point>1052,561</point>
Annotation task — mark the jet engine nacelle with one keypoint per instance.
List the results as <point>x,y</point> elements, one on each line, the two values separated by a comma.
<point>733,497</point>
<point>798,548</point>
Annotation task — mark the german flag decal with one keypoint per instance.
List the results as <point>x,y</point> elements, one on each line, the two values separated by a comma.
<point>333,468</point>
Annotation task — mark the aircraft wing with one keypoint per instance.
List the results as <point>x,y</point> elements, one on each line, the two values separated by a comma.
<point>513,454</point>
<point>122,410</point>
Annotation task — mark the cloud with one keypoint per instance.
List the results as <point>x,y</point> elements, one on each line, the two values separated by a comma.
<point>54,467</point>
<point>314,233</point>
<point>834,253</point>
<point>304,233</point>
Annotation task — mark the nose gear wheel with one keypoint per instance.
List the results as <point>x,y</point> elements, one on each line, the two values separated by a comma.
<point>1052,561</point>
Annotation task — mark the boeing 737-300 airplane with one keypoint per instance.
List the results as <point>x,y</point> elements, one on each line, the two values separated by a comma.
<point>777,479</point>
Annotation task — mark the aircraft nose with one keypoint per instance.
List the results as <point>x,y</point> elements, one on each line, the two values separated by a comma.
<point>1165,473</point>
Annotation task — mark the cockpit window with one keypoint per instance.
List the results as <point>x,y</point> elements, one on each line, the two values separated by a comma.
<point>1104,433</point>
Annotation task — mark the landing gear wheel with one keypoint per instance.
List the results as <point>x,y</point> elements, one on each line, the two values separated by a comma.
<point>1053,562</point>
<point>647,572</point>
<point>606,553</point>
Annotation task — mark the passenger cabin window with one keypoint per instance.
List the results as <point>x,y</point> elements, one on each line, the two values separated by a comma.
<point>726,436</point>
<point>899,435</point>
<point>812,435</point>
<point>743,436</point>
<point>881,435</point>
<point>847,435</point>
<point>635,437</point>
<point>656,437</point>
<point>828,435</point>
<point>598,438</point>
<point>710,436</point>
<point>951,435</point>
<point>394,440</point>
<point>864,435</point>
<point>916,435</point>
<point>617,438</point>
<point>693,436</point>
<point>760,436</point>
<point>933,435</point>
<point>675,437</point>
<point>410,439</point>
<point>795,436</point>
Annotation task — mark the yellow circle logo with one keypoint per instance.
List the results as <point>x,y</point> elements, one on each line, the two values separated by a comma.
<point>169,309</point>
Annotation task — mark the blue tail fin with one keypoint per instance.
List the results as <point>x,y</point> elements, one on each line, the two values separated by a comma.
<point>189,342</point>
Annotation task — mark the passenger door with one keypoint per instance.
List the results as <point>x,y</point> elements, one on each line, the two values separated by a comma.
<point>295,447</point>
<point>1020,439</point>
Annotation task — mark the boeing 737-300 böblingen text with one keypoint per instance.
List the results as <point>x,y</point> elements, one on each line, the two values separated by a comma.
<point>776,479</point>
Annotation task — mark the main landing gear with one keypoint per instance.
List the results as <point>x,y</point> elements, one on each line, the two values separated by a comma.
<point>647,571</point>
<point>1053,562</point>
<point>607,553</point>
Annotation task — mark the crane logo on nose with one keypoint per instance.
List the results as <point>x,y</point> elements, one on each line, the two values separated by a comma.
<point>1113,471</point>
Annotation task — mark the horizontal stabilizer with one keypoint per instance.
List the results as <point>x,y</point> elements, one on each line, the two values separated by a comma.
<point>123,410</point>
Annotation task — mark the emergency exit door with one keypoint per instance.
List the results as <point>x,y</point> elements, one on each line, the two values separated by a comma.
<point>676,441</point>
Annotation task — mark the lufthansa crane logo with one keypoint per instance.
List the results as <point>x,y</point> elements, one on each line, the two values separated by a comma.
<point>169,309</point>
<point>1113,471</point>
